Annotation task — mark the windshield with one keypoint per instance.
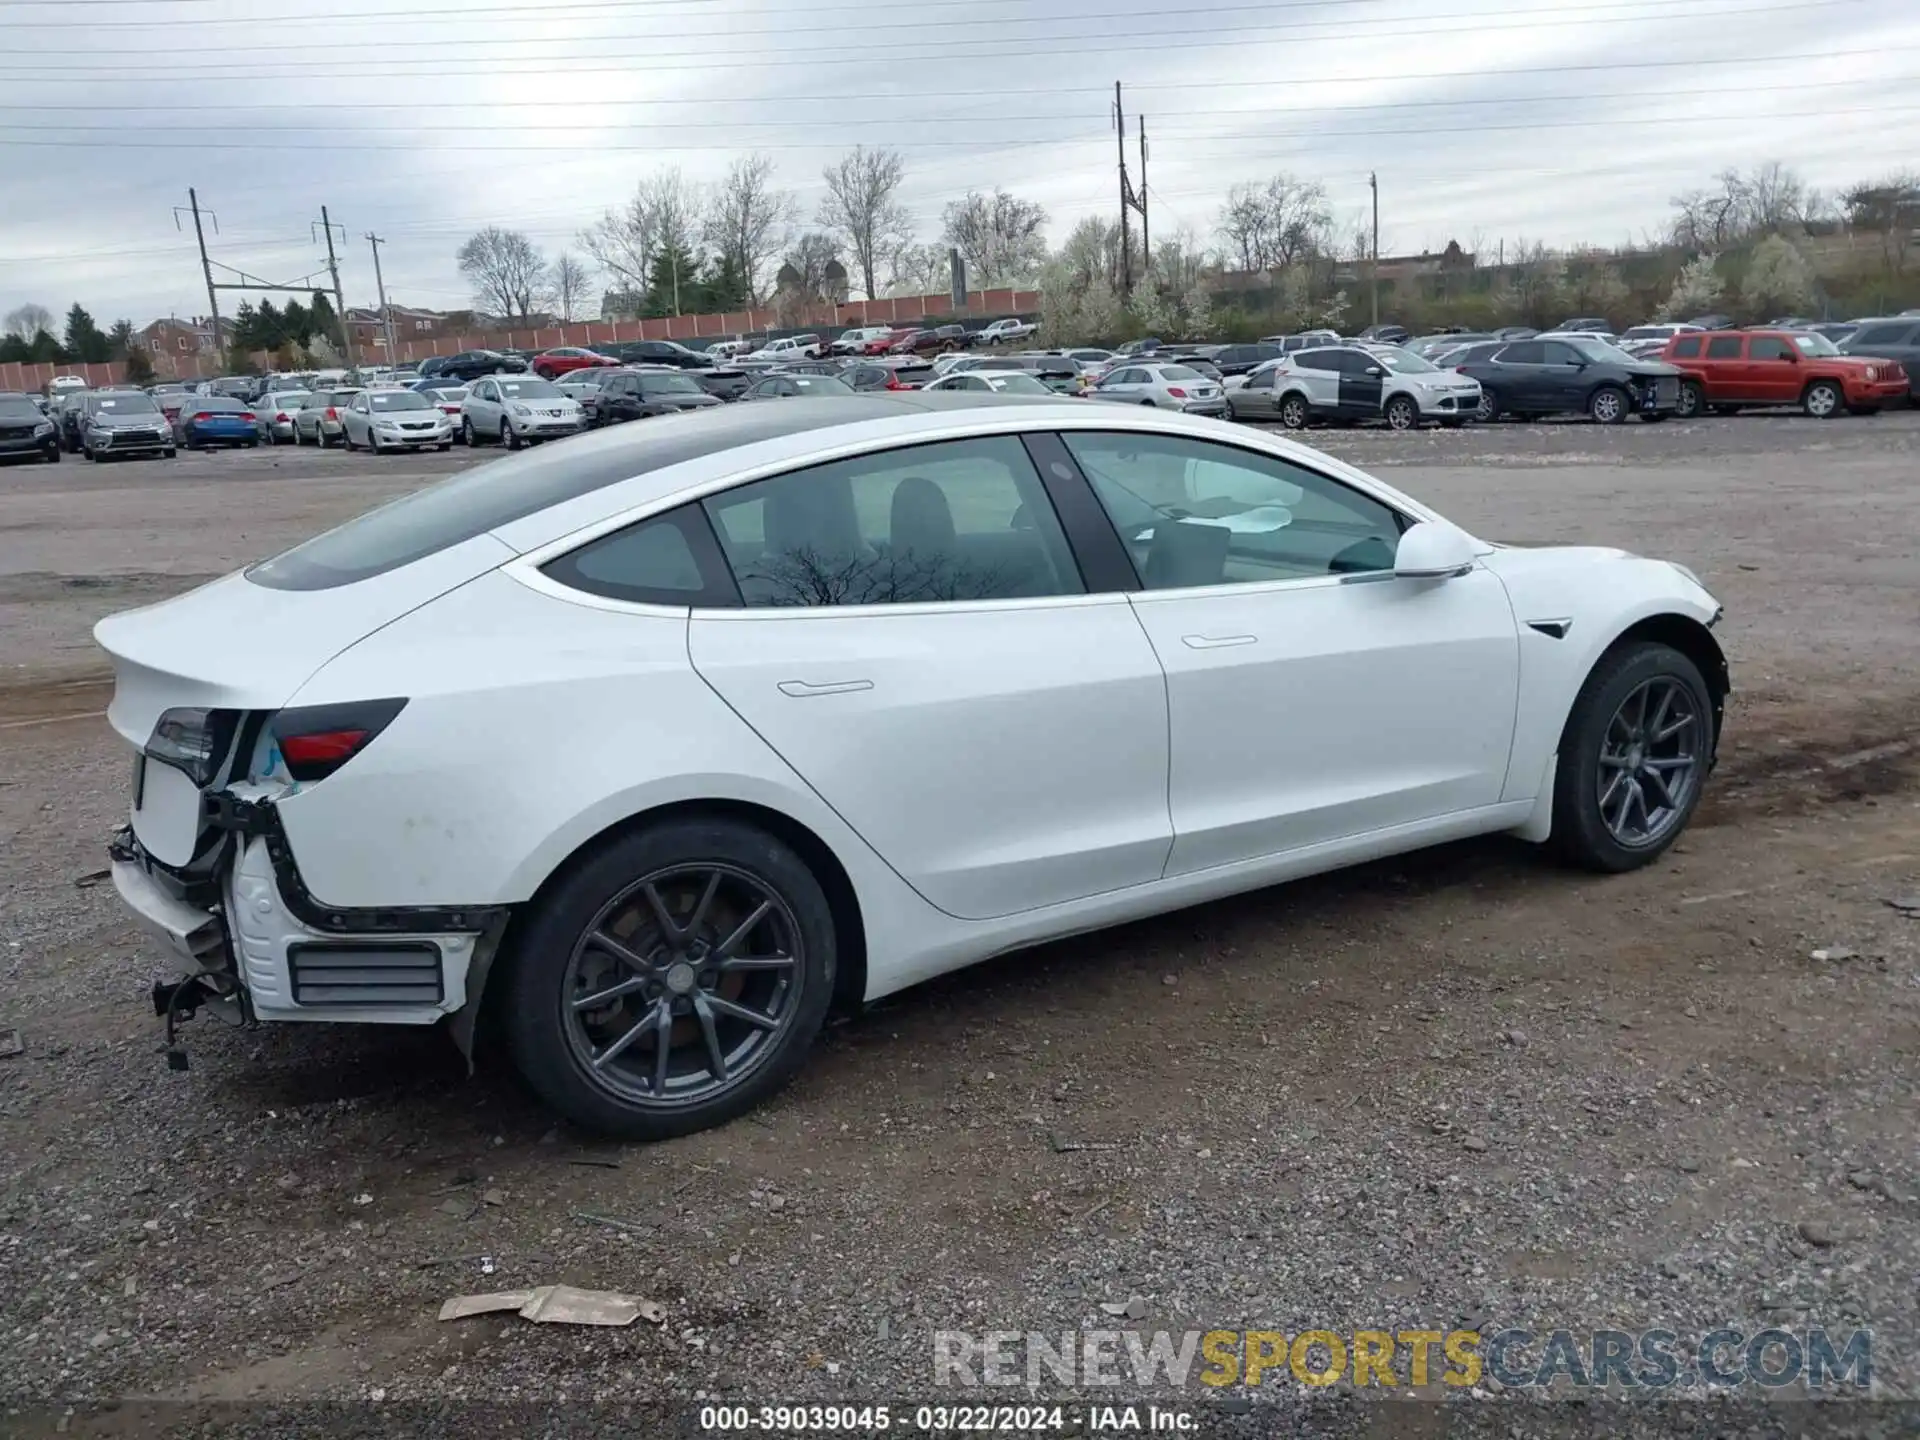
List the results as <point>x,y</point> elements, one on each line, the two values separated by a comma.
<point>669,385</point>
<point>1814,346</point>
<point>1407,363</point>
<point>531,390</point>
<point>398,400</point>
<point>1178,372</point>
<point>1601,352</point>
<point>820,385</point>
<point>126,405</point>
<point>12,407</point>
<point>1017,384</point>
<point>290,399</point>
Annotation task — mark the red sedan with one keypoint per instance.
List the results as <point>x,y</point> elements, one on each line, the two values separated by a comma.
<point>552,364</point>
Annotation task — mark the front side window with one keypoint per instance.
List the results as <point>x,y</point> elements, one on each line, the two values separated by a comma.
<point>1768,347</point>
<point>1191,512</point>
<point>1557,353</point>
<point>531,388</point>
<point>1815,347</point>
<point>955,521</point>
<point>1405,362</point>
<point>668,385</point>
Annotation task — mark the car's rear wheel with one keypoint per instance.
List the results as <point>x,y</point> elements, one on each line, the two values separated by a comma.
<point>1633,758</point>
<point>1691,402</point>
<point>1294,413</point>
<point>1402,413</point>
<point>1822,400</point>
<point>671,981</point>
<point>1609,405</point>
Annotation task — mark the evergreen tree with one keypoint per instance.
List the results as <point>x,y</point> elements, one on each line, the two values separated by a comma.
<point>326,324</point>
<point>121,339</point>
<point>139,367</point>
<point>45,350</point>
<point>85,340</point>
<point>13,350</point>
<point>725,286</point>
<point>246,327</point>
<point>675,273</point>
<point>295,323</point>
<point>269,327</point>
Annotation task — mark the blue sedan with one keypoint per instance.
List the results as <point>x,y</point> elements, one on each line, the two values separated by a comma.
<point>208,420</point>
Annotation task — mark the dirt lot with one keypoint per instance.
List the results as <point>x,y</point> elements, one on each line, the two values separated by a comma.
<point>1462,1088</point>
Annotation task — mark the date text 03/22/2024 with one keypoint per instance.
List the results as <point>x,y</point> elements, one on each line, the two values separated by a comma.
<point>1139,1418</point>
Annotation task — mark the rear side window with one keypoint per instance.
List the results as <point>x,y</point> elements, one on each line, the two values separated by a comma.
<point>1525,352</point>
<point>1882,335</point>
<point>1687,348</point>
<point>1724,347</point>
<point>668,560</point>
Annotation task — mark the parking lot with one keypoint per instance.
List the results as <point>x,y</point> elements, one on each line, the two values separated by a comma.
<point>1461,1088</point>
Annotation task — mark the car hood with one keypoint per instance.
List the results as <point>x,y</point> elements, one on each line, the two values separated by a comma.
<point>128,422</point>
<point>1438,380</point>
<point>1651,369</point>
<point>1855,364</point>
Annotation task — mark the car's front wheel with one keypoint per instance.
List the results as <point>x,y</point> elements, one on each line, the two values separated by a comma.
<point>1609,405</point>
<point>1402,413</point>
<point>672,980</point>
<point>1691,402</point>
<point>1822,400</point>
<point>1633,758</point>
<point>1487,409</point>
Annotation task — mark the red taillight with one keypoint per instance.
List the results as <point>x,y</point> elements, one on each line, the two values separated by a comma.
<point>280,417</point>
<point>451,409</point>
<point>1176,392</point>
<point>332,414</point>
<point>316,740</point>
<point>204,415</point>
<point>247,415</point>
<point>893,381</point>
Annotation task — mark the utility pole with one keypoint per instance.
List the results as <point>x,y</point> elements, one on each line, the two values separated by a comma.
<point>1126,196</point>
<point>206,268</point>
<point>1146,245</point>
<point>386,312</point>
<point>1373,184</point>
<point>339,300</point>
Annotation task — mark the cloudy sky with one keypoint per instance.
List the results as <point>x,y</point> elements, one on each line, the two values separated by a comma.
<point>1569,121</point>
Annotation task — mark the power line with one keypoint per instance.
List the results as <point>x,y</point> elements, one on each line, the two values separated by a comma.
<point>1264,84</point>
<point>798,55</point>
<point>895,120</point>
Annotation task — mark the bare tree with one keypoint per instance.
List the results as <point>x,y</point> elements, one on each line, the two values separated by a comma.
<point>567,282</point>
<point>1270,226</point>
<point>1001,237</point>
<point>29,320</point>
<point>748,221</point>
<point>1177,263</point>
<point>919,270</point>
<point>505,269</point>
<point>860,206</point>
<point>804,270</point>
<point>1888,207</point>
<point>662,215</point>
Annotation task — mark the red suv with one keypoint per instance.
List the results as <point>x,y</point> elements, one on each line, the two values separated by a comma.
<point>1726,369</point>
<point>552,364</point>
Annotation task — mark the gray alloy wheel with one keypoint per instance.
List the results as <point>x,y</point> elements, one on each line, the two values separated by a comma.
<point>1650,761</point>
<point>1609,405</point>
<point>1402,413</point>
<point>1487,408</point>
<point>1293,412</point>
<point>1822,400</point>
<point>1692,400</point>
<point>467,437</point>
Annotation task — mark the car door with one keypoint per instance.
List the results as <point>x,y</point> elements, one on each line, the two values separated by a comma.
<point>917,643</point>
<point>1127,383</point>
<point>356,422</point>
<point>1561,377</point>
<point>1314,696</point>
<point>483,409</point>
<point>1362,380</point>
<point>1772,370</point>
<point>1318,373</point>
<point>1515,376</point>
<point>1724,360</point>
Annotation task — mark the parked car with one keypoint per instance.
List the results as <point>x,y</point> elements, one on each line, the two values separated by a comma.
<point>789,347</point>
<point>67,409</point>
<point>906,341</point>
<point>1386,334</point>
<point>1838,331</point>
<point>727,349</point>
<point>472,364</point>
<point>636,394</point>
<point>564,359</point>
<point>1585,324</point>
<point>994,382</point>
<point>123,422</point>
<point>1240,359</point>
<point>450,398</point>
<point>713,667</point>
<point>274,414</point>
<point>515,410</point>
<point>1007,331</point>
<point>663,352</point>
<point>26,434</point>
<point>1167,387</point>
<point>394,419</point>
<point>1727,369</point>
<point>1347,383</point>
<point>1056,372</point>
<point>62,384</point>
<point>1895,339</point>
<point>1644,341</point>
<point>319,421</point>
<point>1714,322</point>
<point>724,382</point>
<point>782,386</point>
<point>872,375</point>
<point>1575,376</point>
<point>214,420</point>
<point>856,340</point>
<point>953,360</point>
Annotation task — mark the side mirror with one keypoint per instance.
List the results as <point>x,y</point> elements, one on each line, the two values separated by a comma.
<point>1433,552</point>
<point>1375,370</point>
<point>1792,357</point>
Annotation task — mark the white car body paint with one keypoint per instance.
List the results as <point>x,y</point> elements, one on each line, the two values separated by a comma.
<point>989,774</point>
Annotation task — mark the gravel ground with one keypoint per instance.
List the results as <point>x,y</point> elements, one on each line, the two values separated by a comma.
<point>1461,1089</point>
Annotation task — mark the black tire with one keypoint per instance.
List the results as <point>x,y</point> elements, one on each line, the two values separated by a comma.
<point>1693,400</point>
<point>168,452</point>
<point>52,457</point>
<point>346,438</point>
<point>1295,413</point>
<point>1823,400</point>
<point>509,436</point>
<point>1609,405</point>
<point>1402,413</point>
<point>1453,423</point>
<point>467,437</point>
<point>1726,409</point>
<point>1581,836</point>
<point>535,996</point>
<point>1488,410</point>
<point>444,446</point>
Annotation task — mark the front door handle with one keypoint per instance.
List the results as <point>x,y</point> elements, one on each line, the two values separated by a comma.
<point>802,689</point>
<point>1217,642</point>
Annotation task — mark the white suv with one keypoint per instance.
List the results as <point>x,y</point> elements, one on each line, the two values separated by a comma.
<point>513,410</point>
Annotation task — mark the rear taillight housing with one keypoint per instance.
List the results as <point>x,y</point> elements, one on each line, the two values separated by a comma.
<point>193,740</point>
<point>451,409</point>
<point>1176,392</point>
<point>332,414</point>
<point>280,417</point>
<point>204,415</point>
<point>316,740</point>
<point>247,415</point>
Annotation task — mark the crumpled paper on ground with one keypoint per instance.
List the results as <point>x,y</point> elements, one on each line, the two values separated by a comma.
<point>559,1305</point>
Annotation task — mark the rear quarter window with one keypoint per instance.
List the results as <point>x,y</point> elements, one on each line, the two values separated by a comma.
<point>1884,335</point>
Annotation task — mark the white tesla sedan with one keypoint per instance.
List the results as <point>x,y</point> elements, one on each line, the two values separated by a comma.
<point>663,743</point>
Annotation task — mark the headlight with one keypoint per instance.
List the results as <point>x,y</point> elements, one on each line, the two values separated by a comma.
<point>522,410</point>
<point>45,427</point>
<point>1873,372</point>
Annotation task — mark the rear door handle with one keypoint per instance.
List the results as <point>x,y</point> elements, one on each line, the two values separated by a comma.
<point>1217,642</point>
<point>803,689</point>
